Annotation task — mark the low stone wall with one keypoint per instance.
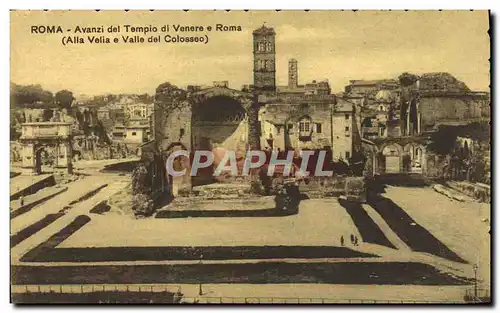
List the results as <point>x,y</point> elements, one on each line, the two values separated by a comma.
<point>347,186</point>
<point>450,193</point>
<point>217,191</point>
<point>480,192</point>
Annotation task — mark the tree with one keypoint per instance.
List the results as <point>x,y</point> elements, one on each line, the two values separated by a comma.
<point>444,139</point>
<point>145,98</point>
<point>30,96</point>
<point>407,79</point>
<point>64,99</point>
<point>470,164</point>
<point>47,115</point>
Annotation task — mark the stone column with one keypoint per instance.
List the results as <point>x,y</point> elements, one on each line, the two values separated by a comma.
<point>28,155</point>
<point>63,155</point>
<point>418,123</point>
<point>59,156</point>
<point>407,132</point>
<point>423,158</point>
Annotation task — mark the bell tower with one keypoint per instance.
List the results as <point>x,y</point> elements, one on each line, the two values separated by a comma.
<point>293,79</point>
<point>264,59</point>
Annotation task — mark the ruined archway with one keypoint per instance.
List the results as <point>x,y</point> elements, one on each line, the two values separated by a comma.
<point>392,156</point>
<point>415,153</point>
<point>219,123</point>
<point>46,138</point>
<point>45,158</point>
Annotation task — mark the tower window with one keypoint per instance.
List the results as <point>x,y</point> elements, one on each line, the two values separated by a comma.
<point>347,116</point>
<point>304,125</point>
<point>318,128</point>
<point>347,128</point>
<point>261,65</point>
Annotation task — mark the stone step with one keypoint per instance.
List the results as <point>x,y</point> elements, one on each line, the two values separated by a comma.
<point>218,190</point>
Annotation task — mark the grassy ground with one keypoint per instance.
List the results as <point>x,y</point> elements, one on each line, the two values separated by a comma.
<point>137,254</point>
<point>93,297</point>
<point>370,273</point>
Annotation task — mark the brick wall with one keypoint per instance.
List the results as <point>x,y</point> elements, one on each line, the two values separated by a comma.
<point>231,136</point>
<point>436,109</point>
<point>176,127</point>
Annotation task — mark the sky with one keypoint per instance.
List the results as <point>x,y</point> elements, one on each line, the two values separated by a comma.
<point>334,45</point>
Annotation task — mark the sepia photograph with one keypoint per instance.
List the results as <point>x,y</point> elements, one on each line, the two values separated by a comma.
<point>250,157</point>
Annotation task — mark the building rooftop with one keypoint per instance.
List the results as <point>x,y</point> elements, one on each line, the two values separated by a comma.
<point>362,82</point>
<point>264,31</point>
<point>343,105</point>
<point>136,126</point>
<point>286,89</point>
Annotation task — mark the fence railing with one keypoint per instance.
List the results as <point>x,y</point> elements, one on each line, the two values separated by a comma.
<point>176,289</point>
<point>94,288</point>
<point>291,300</point>
<point>479,295</point>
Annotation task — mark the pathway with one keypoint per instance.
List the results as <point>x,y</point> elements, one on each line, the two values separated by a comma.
<point>78,209</point>
<point>75,190</point>
<point>21,182</point>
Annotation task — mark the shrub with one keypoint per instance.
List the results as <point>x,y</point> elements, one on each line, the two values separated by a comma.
<point>139,179</point>
<point>142,205</point>
<point>184,192</point>
<point>256,187</point>
<point>265,180</point>
<point>287,199</point>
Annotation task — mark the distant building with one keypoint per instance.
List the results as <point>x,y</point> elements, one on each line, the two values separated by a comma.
<point>293,87</point>
<point>131,134</point>
<point>435,99</point>
<point>371,87</point>
<point>138,111</point>
<point>297,117</point>
<point>414,110</point>
<point>103,113</point>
